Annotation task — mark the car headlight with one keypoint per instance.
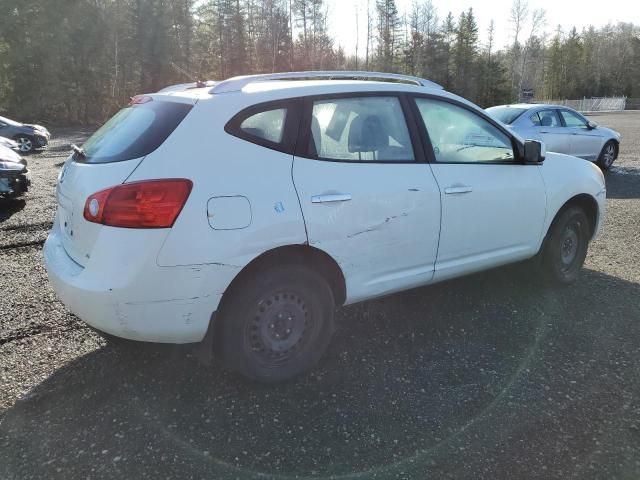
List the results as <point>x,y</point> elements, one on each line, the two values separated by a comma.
<point>11,166</point>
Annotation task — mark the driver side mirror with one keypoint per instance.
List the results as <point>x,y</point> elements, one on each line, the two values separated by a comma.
<point>591,125</point>
<point>534,152</point>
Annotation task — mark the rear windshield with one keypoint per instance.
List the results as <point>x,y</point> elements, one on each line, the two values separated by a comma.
<point>134,132</point>
<point>506,115</point>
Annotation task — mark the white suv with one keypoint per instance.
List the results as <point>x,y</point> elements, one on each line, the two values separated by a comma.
<point>252,207</point>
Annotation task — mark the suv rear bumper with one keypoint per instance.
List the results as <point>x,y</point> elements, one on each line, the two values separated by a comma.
<point>128,295</point>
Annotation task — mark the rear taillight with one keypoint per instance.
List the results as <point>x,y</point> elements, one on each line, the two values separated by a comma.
<point>146,204</point>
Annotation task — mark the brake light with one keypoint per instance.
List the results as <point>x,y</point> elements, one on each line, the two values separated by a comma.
<point>145,204</point>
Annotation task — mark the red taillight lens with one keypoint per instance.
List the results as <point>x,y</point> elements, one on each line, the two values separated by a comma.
<point>146,204</point>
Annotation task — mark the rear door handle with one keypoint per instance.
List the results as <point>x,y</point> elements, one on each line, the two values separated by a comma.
<point>458,189</point>
<point>331,197</point>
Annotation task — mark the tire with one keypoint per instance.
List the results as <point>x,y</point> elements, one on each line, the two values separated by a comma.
<point>566,246</point>
<point>276,325</point>
<point>608,155</point>
<point>26,143</point>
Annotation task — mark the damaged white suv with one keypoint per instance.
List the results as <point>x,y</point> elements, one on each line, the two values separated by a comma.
<point>250,208</point>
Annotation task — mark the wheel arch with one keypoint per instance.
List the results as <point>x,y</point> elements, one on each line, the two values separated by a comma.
<point>314,258</point>
<point>28,135</point>
<point>590,206</point>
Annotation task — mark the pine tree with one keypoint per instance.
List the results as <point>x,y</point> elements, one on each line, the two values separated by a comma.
<point>388,41</point>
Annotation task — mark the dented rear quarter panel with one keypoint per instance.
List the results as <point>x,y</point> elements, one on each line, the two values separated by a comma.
<point>225,166</point>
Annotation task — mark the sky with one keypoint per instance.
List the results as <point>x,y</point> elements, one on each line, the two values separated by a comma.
<point>567,13</point>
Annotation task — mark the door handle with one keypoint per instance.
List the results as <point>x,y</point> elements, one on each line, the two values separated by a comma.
<point>544,131</point>
<point>458,189</point>
<point>331,197</point>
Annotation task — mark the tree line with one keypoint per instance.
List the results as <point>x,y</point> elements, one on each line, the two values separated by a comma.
<point>78,61</point>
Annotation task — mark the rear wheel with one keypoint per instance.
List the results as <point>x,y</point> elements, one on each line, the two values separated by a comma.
<point>566,246</point>
<point>277,324</point>
<point>608,155</point>
<point>25,143</point>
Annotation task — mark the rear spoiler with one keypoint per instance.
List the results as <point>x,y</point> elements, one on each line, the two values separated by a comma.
<point>181,87</point>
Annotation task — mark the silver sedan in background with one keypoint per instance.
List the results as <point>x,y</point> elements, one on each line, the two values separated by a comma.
<point>563,130</point>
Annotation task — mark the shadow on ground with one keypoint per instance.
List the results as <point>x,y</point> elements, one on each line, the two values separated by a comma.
<point>10,206</point>
<point>623,182</point>
<point>489,376</point>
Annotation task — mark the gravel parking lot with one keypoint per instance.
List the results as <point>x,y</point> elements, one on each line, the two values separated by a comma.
<point>491,376</point>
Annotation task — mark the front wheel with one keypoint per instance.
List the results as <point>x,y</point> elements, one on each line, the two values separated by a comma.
<point>566,247</point>
<point>277,324</point>
<point>608,155</point>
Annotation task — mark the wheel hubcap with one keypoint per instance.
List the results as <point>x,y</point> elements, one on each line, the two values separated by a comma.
<point>279,326</point>
<point>609,155</point>
<point>24,144</point>
<point>569,246</point>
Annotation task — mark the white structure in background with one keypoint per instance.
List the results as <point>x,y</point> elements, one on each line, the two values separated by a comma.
<point>593,104</point>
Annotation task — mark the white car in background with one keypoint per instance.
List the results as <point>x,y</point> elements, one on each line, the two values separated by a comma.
<point>307,191</point>
<point>8,143</point>
<point>563,130</point>
<point>14,174</point>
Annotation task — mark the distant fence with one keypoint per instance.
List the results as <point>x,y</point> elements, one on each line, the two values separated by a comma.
<point>599,104</point>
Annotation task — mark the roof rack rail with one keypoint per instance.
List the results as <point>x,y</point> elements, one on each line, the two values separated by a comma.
<point>238,83</point>
<point>180,87</point>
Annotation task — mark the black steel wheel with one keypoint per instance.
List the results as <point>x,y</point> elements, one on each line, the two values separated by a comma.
<point>277,325</point>
<point>566,245</point>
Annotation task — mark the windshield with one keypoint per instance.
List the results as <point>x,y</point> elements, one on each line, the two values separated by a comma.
<point>134,132</point>
<point>506,115</point>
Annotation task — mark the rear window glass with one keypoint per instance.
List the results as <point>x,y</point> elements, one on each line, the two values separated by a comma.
<point>134,132</point>
<point>506,115</point>
<point>268,125</point>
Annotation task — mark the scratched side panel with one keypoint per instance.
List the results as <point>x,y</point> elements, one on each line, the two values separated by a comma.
<point>385,238</point>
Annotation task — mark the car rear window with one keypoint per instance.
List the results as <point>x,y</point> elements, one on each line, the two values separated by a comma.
<point>134,132</point>
<point>506,115</point>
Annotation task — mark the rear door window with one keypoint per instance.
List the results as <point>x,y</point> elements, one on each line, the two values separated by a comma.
<point>549,118</point>
<point>360,129</point>
<point>134,132</point>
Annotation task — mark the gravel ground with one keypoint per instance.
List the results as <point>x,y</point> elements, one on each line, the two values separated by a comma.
<point>490,376</point>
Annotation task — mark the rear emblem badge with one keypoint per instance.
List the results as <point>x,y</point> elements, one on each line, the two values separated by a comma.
<point>94,206</point>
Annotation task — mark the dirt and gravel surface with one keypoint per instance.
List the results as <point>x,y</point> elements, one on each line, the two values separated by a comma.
<point>491,376</point>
